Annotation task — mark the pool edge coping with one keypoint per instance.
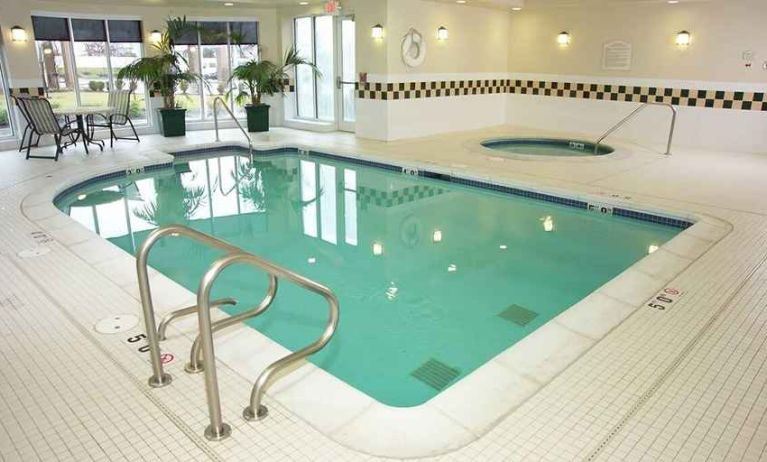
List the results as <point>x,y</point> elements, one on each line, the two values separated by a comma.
<point>443,414</point>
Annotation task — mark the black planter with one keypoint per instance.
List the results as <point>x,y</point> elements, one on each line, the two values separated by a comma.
<point>258,117</point>
<point>173,122</point>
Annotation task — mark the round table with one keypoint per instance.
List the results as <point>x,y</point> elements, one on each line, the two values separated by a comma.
<point>79,113</point>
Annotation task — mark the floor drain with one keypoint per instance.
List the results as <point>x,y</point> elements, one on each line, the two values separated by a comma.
<point>436,374</point>
<point>115,324</point>
<point>34,252</point>
<point>519,315</point>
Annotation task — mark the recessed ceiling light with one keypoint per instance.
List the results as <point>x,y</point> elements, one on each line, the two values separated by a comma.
<point>516,8</point>
<point>228,4</point>
<point>303,3</point>
<point>673,2</point>
<point>460,2</point>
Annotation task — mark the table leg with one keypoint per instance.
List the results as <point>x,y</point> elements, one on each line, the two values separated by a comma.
<point>81,129</point>
<point>86,138</point>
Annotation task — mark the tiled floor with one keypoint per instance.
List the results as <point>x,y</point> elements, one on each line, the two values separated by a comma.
<point>687,383</point>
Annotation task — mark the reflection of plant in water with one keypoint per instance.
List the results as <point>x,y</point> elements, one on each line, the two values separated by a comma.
<point>173,204</point>
<point>266,185</point>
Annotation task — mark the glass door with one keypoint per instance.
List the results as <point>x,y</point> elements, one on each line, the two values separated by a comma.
<point>346,76</point>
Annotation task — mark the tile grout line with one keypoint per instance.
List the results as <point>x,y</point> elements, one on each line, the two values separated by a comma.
<point>183,427</point>
<point>656,384</point>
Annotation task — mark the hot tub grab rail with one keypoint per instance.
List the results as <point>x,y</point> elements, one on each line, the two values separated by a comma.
<point>632,115</point>
<point>202,354</point>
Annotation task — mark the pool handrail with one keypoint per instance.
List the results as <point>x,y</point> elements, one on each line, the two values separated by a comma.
<point>159,378</point>
<point>218,100</point>
<point>217,429</point>
<point>255,410</point>
<point>633,114</point>
<point>195,363</point>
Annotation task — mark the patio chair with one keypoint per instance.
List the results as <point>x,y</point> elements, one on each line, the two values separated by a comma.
<point>44,122</point>
<point>119,101</point>
<point>28,127</point>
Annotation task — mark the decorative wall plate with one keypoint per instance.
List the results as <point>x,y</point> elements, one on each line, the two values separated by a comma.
<point>413,48</point>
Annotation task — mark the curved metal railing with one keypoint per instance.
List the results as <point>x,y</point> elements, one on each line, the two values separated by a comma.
<point>255,410</point>
<point>162,329</point>
<point>219,100</point>
<point>203,344</point>
<point>632,115</point>
<point>195,363</point>
<point>159,378</point>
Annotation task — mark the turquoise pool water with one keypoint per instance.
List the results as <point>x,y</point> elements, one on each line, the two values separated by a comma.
<point>427,272</point>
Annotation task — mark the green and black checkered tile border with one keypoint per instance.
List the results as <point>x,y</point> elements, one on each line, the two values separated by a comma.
<point>387,199</point>
<point>716,99</point>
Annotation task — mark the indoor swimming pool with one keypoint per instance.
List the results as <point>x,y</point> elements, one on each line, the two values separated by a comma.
<point>434,278</point>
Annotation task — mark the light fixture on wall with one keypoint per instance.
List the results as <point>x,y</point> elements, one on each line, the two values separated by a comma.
<point>156,36</point>
<point>683,38</point>
<point>377,32</point>
<point>18,34</point>
<point>442,33</point>
<point>563,39</point>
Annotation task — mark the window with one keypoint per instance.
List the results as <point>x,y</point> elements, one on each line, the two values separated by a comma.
<point>6,129</point>
<point>314,42</point>
<point>80,58</point>
<point>212,53</point>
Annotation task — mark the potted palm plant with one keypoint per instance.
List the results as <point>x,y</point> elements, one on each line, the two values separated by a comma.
<point>255,79</point>
<point>165,71</point>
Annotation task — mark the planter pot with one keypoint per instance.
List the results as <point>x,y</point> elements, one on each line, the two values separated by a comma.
<point>258,117</point>
<point>173,122</point>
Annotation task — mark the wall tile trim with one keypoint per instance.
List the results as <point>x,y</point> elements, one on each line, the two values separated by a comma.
<point>714,99</point>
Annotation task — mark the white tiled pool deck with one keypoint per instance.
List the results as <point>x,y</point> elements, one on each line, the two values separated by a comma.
<point>686,383</point>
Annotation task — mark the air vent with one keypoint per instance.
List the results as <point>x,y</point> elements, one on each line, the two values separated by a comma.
<point>436,374</point>
<point>519,315</point>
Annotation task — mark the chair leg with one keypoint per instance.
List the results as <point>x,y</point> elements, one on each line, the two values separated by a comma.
<point>23,137</point>
<point>134,129</point>
<point>57,138</point>
<point>29,146</point>
<point>112,135</point>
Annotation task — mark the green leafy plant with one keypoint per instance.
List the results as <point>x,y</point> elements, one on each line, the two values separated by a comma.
<point>256,79</point>
<point>167,69</point>
<point>96,85</point>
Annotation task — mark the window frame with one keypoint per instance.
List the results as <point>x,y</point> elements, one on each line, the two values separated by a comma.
<point>149,120</point>
<point>6,94</point>
<point>315,79</point>
<point>229,60</point>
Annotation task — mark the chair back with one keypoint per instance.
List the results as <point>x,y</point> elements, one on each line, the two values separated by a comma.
<point>22,109</point>
<point>119,101</point>
<point>40,115</point>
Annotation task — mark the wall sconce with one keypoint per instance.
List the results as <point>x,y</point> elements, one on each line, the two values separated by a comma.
<point>377,32</point>
<point>436,235</point>
<point>156,36</point>
<point>18,34</point>
<point>683,39</point>
<point>563,39</point>
<point>442,33</point>
<point>378,249</point>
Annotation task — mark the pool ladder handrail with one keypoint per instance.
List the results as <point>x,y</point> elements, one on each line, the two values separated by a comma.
<point>217,429</point>
<point>633,114</point>
<point>219,100</point>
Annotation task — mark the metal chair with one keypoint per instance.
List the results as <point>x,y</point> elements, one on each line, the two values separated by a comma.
<point>28,128</point>
<point>43,121</point>
<point>119,101</point>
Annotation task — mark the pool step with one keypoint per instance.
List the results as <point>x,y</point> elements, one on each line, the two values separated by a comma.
<point>436,374</point>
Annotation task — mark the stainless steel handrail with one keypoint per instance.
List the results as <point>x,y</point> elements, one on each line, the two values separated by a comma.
<point>173,315</point>
<point>217,100</point>
<point>195,363</point>
<point>159,378</point>
<point>632,115</point>
<point>217,428</point>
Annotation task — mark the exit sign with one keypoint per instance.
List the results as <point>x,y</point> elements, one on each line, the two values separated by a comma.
<point>332,6</point>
